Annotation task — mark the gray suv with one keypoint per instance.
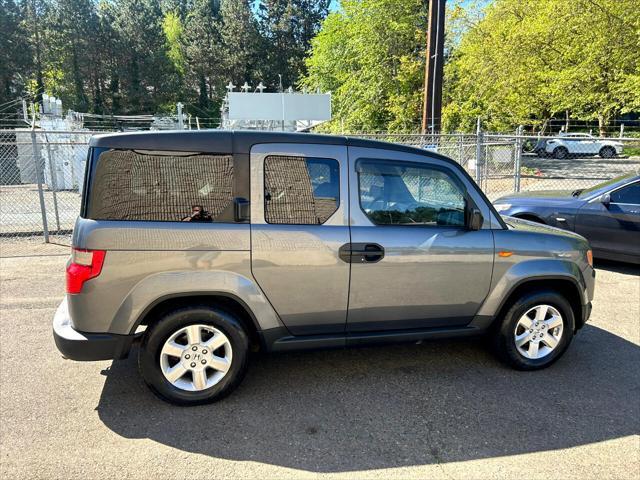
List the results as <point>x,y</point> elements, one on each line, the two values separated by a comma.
<point>205,246</point>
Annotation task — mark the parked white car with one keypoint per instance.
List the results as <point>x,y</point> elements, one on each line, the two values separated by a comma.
<point>574,144</point>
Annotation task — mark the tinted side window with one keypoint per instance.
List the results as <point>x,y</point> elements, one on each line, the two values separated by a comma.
<point>629,194</point>
<point>393,193</point>
<point>300,190</point>
<point>160,186</point>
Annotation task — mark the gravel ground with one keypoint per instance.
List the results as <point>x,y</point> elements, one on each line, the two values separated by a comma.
<point>442,409</point>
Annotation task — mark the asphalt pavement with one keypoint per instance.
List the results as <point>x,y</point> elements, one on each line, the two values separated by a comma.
<point>444,409</point>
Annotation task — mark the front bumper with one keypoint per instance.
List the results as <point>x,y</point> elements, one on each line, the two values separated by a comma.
<point>586,313</point>
<point>588,284</point>
<point>82,346</point>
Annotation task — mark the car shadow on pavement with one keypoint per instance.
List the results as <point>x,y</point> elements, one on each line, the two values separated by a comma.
<point>395,406</point>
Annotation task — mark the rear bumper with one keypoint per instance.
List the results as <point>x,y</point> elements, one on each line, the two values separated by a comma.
<point>82,346</point>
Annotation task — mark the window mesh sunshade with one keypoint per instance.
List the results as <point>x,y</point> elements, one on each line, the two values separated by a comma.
<point>130,185</point>
<point>289,197</point>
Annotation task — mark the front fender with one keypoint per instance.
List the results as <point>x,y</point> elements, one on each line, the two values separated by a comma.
<point>508,277</point>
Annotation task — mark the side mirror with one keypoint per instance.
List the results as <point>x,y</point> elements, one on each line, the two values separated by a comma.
<point>241,212</point>
<point>475,219</point>
<point>605,200</point>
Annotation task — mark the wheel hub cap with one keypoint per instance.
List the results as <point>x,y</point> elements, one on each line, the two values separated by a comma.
<point>196,357</point>
<point>538,332</point>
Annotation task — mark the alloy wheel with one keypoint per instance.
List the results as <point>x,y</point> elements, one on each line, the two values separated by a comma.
<point>196,357</point>
<point>538,332</point>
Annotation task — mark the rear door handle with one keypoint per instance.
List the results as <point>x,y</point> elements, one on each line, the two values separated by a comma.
<point>361,252</point>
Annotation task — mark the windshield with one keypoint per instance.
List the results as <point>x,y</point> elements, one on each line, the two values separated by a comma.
<point>586,191</point>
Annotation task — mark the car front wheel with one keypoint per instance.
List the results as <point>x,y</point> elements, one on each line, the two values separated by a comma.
<point>536,331</point>
<point>194,355</point>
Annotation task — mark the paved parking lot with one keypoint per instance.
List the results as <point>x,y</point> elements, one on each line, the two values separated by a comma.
<point>443,409</point>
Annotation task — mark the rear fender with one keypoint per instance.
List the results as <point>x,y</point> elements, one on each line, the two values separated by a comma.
<point>161,286</point>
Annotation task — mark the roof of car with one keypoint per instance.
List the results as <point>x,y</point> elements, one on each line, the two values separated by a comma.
<point>234,141</point>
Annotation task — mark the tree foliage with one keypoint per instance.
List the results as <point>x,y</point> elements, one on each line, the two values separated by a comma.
<point>370,55</point>
<point>142,56</point>
<point>15,53</point>
<point>527,61</point>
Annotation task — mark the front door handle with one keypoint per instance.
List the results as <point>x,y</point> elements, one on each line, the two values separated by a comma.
<point>361,252</point>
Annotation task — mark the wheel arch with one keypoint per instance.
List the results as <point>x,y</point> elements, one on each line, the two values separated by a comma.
<point>223,300</point>
<point>565,285</point>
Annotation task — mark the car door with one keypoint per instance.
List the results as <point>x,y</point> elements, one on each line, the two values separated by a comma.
<point>586,144</point>
<point>299,221</point>
<point>613,226</point>
<point>414,262</point>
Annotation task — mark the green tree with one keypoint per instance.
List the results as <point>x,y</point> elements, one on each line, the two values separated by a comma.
<point>287,27</point>
<point>173,32</point>
<point>149,80</point>
<point>35,14</point>
<point>71,31</point>
<point>202,48</point>
<point>527,61</point>
<point>15,54</point>
<point>370,55</point>
<point>240,40</point>
<point>141,56</point>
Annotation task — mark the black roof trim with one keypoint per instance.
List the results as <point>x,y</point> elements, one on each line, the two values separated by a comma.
<point>240,141</point>
<point>198,140</point>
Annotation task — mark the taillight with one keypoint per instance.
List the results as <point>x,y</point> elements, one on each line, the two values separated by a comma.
<point>590,257</point>
<point>84,265</point>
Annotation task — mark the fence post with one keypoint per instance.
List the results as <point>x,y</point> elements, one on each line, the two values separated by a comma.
<point>479,162</point>
<point>54,183</point>
<point>179,106</point>
<point>37,161</point>
<point>518,159</point>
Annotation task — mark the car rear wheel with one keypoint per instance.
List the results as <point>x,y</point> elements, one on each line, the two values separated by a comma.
<point>536,331</point>
<point>560,153</point>
<point>194,355</point>
<point>607,152</point>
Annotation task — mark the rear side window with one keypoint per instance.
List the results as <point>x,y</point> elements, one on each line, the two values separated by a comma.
<point>160,186</point>
<point>393,193</point>
<point>300,190</point>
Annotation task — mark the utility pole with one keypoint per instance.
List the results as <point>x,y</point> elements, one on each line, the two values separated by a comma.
<point>432,105</point>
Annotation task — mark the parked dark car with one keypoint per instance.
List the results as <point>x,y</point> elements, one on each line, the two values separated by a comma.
<point>608,214</point>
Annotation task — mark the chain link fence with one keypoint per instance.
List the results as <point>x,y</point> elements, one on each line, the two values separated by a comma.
<point>41,178</point>
<point>519,163</point>
<point>42,174</point>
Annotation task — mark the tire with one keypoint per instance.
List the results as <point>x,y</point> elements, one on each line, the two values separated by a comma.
<point>504,336</point>
<point>560,153</point>
<point>153,359</point>
<point>607,152</point>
